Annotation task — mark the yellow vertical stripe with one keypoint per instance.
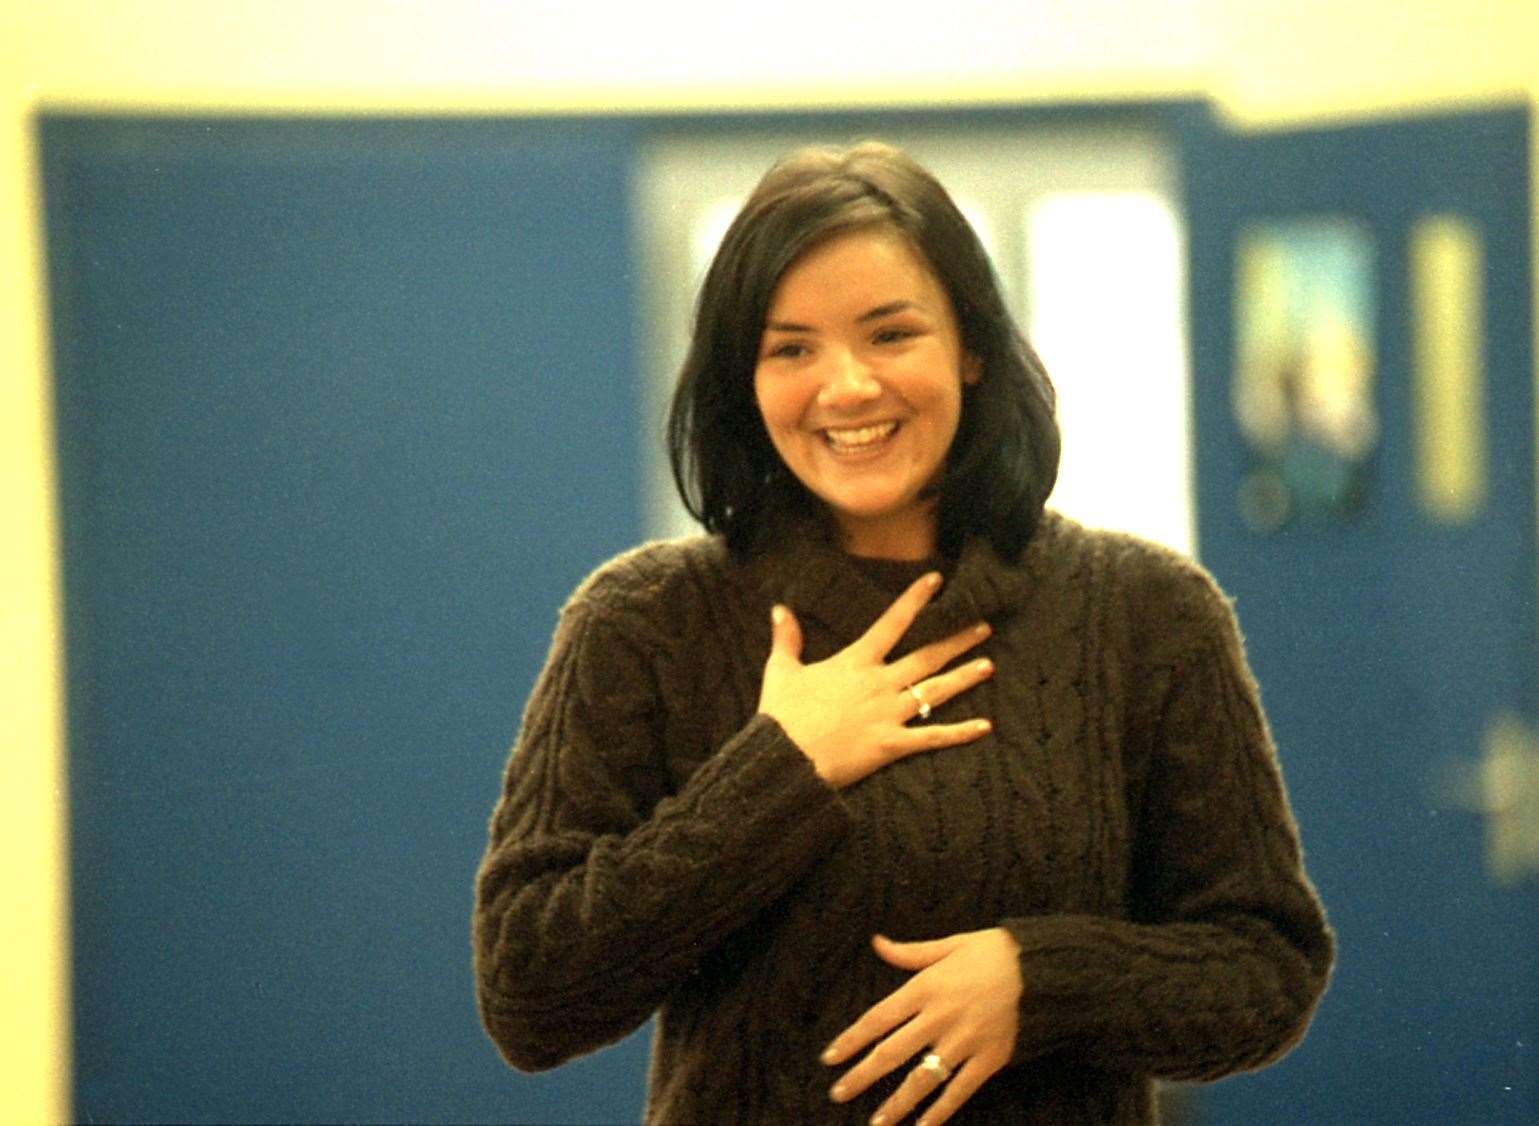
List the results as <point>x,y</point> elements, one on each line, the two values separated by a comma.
<point>34,984</point>
<point>1449,375</point>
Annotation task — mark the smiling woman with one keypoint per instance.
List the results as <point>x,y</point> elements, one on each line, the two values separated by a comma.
<point>894,794</point>
<point>821,241</point>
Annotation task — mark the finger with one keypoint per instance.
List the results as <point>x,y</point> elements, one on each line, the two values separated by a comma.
<point>938,689</point>
<point>881,1018</point>
<point>888,630</point>
<point>915,955</point>
<point>936,736</point>
<point>930,659</point>
<point>961,1087</point>
<point>888,1056</point>
<point>919,1084</point>
<point>785,636</point>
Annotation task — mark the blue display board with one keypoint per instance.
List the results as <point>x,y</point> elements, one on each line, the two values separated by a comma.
<point>345,410</point>
<point>1394,645</point>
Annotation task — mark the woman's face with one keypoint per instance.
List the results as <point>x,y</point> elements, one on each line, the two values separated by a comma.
<point>859,381</point>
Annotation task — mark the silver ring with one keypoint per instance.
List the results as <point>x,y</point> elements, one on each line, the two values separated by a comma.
<point>933,1064</point>
<point>924,706</point>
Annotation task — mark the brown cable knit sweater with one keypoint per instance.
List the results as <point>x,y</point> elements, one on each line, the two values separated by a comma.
<point>660,848</point>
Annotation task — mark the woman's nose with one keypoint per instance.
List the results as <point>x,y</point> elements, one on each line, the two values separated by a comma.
<point>849,382</point>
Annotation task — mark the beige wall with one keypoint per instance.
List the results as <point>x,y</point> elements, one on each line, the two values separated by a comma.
<point>1266,63</point>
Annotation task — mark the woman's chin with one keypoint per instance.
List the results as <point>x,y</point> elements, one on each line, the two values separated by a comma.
<point>864,510</point>
<point>898,529</point>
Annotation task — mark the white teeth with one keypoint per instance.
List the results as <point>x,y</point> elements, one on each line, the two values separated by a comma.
<point>860,437</point>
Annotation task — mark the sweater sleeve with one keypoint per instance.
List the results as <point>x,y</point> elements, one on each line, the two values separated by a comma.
<point>601,889</point>
<point>1227,951</point>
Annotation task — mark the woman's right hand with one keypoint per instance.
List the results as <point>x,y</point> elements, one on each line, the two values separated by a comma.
<point>850,713</point>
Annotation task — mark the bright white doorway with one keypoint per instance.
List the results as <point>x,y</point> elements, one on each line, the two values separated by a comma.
<point>1085,233</point>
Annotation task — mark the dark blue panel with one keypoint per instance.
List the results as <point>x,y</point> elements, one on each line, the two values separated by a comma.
<point>344,412</point>
<point>1387,645</point>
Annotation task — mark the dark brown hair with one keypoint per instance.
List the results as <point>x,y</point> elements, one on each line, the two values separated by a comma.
<point>1004,458</point>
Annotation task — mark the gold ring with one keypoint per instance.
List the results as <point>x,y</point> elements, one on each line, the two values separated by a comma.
<point>924,706</point>
<point>933,1064</point>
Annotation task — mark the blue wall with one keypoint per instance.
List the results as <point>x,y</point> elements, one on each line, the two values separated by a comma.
<point>1388,642</point>
<point>345,410</point>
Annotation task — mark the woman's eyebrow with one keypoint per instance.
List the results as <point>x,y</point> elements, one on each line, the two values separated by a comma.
<point>885,311</point>
<point>872,315</point>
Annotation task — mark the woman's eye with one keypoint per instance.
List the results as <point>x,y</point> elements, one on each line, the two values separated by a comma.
<point>789,350</point>
<point>893,335</point>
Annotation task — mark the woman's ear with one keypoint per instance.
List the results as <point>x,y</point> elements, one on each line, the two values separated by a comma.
<point>972,369</point>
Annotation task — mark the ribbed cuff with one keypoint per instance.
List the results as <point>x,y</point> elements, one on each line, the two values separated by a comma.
<point>782,815</point>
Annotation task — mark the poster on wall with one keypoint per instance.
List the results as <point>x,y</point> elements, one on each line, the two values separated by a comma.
<point>1303,385</point>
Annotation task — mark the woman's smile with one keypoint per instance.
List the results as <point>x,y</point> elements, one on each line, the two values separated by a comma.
<point>864,440</point>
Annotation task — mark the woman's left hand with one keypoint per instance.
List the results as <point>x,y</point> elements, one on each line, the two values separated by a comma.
<point>961,1005</point>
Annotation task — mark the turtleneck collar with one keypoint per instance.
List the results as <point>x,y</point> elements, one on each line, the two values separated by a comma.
<point>808,572</point>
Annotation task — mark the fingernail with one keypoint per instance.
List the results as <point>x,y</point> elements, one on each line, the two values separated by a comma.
<point>983,629</point>
<point>933,579</point>
<point>777,614</point>
<point>985,665</point>
<point>837,1092</point>
<point>829,1056</point>
<point>983,726</point>
<point>878,1119</point>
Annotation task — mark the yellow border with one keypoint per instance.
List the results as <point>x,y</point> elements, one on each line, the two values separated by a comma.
<point>606,100</point>
<point>34,1068</point>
